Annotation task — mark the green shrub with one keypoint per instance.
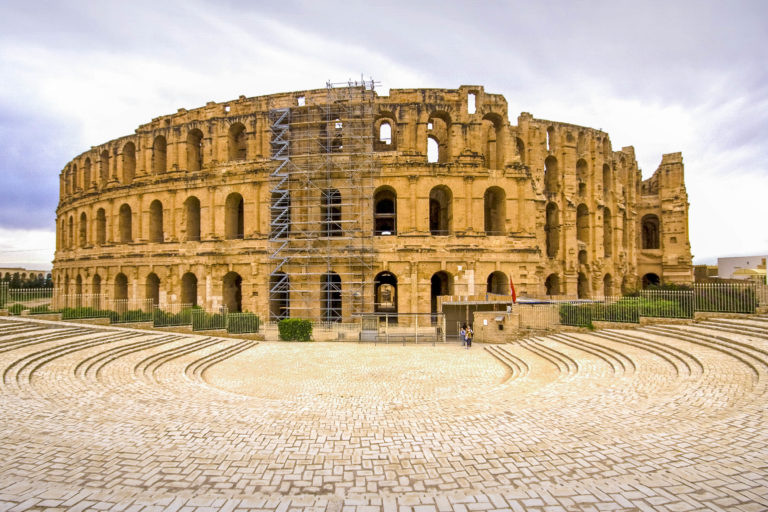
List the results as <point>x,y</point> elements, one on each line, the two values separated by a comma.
<point>16,309</point>
<point>83,312</point>
<point>239,323</point>
<point>37,310</point>
<point>625,311</point>
<point>164,319</point>
<point>726,299</point>
<point>294,329</point>
<point>202,321</point>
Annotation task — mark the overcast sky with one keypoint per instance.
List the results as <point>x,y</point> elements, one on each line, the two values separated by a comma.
<point>660,76</point>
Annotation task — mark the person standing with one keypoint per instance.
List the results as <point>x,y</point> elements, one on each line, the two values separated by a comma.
<point>469,334</point>
<point>463,335</point>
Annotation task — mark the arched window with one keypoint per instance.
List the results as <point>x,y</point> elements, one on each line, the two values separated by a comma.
<point>493,132</point>
<point>607,180</point>
<point>433,150</point>
<point>280,214</point>
<point>583,260</point>
<point>195,150</point>
<point>552,230</point>
<point>75,179</point>
<point>582,171</point>
<point>87,178</point>
<point>330,213</point>
<point>551,139</point>
<point>498,283</point>
<point>330,297</point>
<point>385,293</point>
<point>650,228</point>
<point>439,132</point>
<point>234,221</point>
<point>71,233</point>
<point>238,148</point>
<point>385,133</point>
<point>607,233</point>
<point>192,218</point>
<point>582,224</point>
<point>583,286</point>
<point>152,289</point>
<point>125,224</point>
<point>520,147</point>
<point>440,210</point>
<point>552,284</point>
<point>121,287</point>
<point>104,167</point>
<point>495,211</point>
<point>129,163</point>
<point>441,283</point>
<point>551,176</point>
<point>159,153</point>
<point>607,285</point>
<point>83,239</point>
<point>232,293</point>
<point>189,289</point>
<point>279,296</point>
<point>156,222</point>
<point>96,292</point>
<point>385,212</point>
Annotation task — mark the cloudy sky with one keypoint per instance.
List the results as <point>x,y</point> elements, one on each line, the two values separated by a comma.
<point>665,76</point>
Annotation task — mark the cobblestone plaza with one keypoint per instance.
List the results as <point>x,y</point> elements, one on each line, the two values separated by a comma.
<point>668,417</point>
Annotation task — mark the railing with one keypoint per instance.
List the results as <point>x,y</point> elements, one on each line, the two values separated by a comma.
<point>172,315</point>
<point>203,321</point>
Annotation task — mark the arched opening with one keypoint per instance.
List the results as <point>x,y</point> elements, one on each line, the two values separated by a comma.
<point>385,211</point>
<point>83,238</point>
<point>385,293</point>
<point>129,163</point>
<point>583,260</point>
<point>492,127</point>
<point>279,296</point>
<point>650,228</point>
<point>238,149</point>
<point>78,290</point>
<point>156,222</point>
<point>159,153</point>
<point>195,150</point>
<point>583,286</point>
<point>125,221</point>
<point>440,284</point>
<point>189,289</point>
<point>495,211</point>
<point>607,180</point>
<point>71,233</point>
<point>152,289</point>
<point>607,285</point>
<point>498,283</point>
<point>280,214</point>
<point>121,287</point>
<point>330,213</point>
<point>551,176</point>
<point>582,224</point>
<point>433,150</point>
<point>520,147</point>
<point>87,178</point>
<point>96,292</point>
<point>232,293</point>
<point>607,233</point>
<point>651,279</point>
<point>581,144</point>
<point>552,230</point>
<point>192,218</point>
<point>552,284</point>
<point>582,176</point>
<point>385,133</point>
<point>104,166</point>
<point>330,297</point>
<point>440,210</point>
<point>234,225</point>
<point>551,138</point>
<point>75,178</point>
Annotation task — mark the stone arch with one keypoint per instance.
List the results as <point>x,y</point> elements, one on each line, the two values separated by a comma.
<point>551,176</point>
<point>582,224</point>
<point>232,292</point>
<point>581,144</point>
<point>156,222</point>
<point>607,233</point>
<point>651,279</point>
<point>433,150</point>
<point>159,155</point>
<point>129,163</point>
<point>121,287</point>
<point>439,129</point>
<point>96,291</point>
<point>441,283</point>
<point>83,228</point>
<point>520,147</point>
<point>385,132</point>
<point>75,179</point>
<point>194,150</point>
<point>385,292</point>
<point>497,283</point>
<point>582,176</point>
<point>495,211</point>
<point>87,176</point>
<point>71,233</point>
<point>189,289</point>
<point>440,210</point>
<point>125,224</point>
<point>607,180</point>
<point>152,289</point>
<point>234,217</point>
<point>552,230</point>
<point>583,286</point>
<point>552,284</point>
<point>279,296</point>
<point>330,213</point>
<point>493,135</point>
<point>330,297</point>
<point>385,211</point>
<point>104,166</point>
<point>551,139</point>
<point>650,230</point>
<point>607,285</point>
<point>192,219</point>
<point>237,142</point>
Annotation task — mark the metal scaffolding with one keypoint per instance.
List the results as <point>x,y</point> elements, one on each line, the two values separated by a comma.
<point>321,204</point>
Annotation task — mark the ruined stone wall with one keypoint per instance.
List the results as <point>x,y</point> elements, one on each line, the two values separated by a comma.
<point>478,200</point>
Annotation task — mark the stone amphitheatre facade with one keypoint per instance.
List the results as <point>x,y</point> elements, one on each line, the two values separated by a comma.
<point>332,202</point>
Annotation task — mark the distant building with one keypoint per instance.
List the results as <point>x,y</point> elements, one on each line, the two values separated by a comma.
<point>6,273</point>
<point>742,267</point>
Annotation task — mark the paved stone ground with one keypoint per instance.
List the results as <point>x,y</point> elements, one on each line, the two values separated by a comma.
<point>662,418</point>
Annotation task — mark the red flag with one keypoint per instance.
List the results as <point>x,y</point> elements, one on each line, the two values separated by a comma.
<point>512,288</point>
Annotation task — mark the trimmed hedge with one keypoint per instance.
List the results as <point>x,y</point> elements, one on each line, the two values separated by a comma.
<point>294,329</point>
